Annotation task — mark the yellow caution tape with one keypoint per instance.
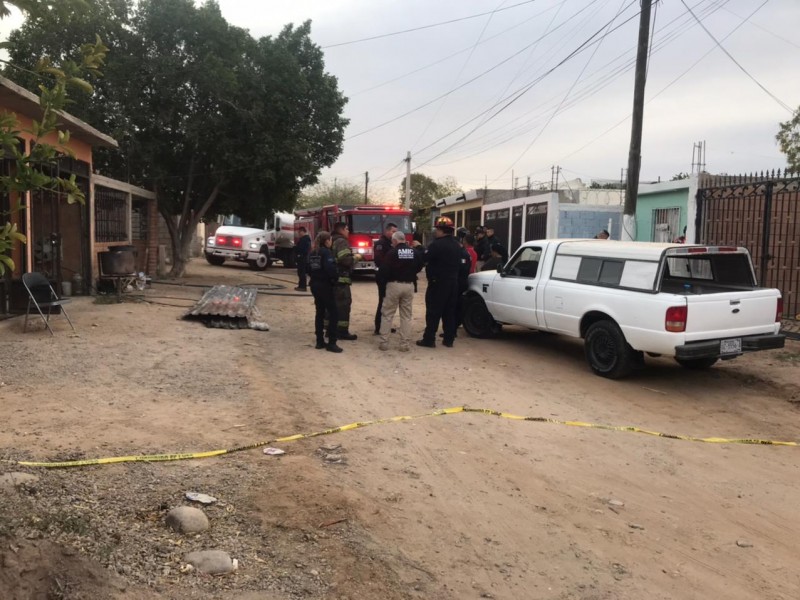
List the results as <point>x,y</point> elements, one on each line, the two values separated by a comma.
<point>360,424</point>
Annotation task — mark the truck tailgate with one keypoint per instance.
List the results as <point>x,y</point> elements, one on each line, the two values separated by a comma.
<point>731,314</point>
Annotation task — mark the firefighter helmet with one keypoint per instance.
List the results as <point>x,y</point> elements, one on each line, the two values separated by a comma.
<point>445,223</point>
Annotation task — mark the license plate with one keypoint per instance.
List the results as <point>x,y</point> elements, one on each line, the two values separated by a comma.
<point>732,346</point>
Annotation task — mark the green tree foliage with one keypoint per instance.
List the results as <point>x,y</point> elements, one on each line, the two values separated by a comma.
<point>789,141</point>
<point>325,192</point>
<point>680,176</point>
<point>30,171</point>
<point>424,192</point>
<point>212,119</point>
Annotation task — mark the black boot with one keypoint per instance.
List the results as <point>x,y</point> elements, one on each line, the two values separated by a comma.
<point>332,347</point>
<point>320,343</point>
<point>344,334</point>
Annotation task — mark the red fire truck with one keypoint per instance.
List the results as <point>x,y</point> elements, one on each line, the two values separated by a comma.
<point>366,223</point>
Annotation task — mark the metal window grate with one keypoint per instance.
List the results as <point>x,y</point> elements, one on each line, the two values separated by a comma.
<point>666,224</point>
<point>110,218</point>
<point>139,218</point>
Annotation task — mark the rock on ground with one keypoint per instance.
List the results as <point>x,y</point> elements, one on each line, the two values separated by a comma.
<point>187,519</point>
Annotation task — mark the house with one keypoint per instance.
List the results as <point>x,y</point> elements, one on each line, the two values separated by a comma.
<point>666,211</point>
<point>521,215</point>
<point>64,239</point>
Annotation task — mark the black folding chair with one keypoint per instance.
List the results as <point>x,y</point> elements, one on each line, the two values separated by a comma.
<point>42,295</point>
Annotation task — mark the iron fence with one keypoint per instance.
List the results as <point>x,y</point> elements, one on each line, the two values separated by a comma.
<point>762,213</point>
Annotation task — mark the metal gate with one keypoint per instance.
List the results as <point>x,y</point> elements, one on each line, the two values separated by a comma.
<point>536,221</point>
<point>762,213</point>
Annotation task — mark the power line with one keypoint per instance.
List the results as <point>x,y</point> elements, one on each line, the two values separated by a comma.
<point>621,9</point>
<point>728,54</point>
<point>669,85</point>
<point>603,80</point>
<point>454,54</point>
<point>383,35</point>
<point>439,97</point>
<point>523,90</point>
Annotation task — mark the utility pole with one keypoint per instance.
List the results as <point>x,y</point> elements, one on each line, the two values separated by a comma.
<point>366,187</point>
<point>635,152</point>
<point>407,204</point>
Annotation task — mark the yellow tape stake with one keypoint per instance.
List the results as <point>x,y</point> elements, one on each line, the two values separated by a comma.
<point>359,424</point>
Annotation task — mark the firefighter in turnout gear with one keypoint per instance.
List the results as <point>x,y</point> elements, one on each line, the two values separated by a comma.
<point>344,263</point>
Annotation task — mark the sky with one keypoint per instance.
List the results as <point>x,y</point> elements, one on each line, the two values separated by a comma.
<point>497,92</point>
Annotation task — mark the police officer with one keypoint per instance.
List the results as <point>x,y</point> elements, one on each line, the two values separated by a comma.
<point>381,248</point>
<point>481,246</point>
<point>399,270</point>
<point>302,249</point>
<point>344,263</point>
<point>443,261</point>
<point>323,272</point>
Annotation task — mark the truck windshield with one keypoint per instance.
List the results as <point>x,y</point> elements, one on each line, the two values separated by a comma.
<point>374,224</point>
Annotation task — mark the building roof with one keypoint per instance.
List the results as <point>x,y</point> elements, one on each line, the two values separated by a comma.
<point>16,98</point>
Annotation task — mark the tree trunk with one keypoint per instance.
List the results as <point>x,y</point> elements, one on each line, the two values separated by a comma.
<point>181,234</point>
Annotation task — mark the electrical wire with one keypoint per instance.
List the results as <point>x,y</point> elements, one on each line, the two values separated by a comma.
<point>603,80</point>
<point>597,46</point>
<point>454,54</point>
<point>439,97</point>
<point>729,55</point>
<point>526,88</point>
<point>432,25</point>
<point>458,76</point>
<point>666,87</point>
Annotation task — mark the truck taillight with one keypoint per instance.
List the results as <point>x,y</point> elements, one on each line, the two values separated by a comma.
<point>779,310</point>
<point>237,242</point>
<point>675,319</point>
<point>221,240</point>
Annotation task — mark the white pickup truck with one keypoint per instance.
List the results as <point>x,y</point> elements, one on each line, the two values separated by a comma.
<point>695,303</point>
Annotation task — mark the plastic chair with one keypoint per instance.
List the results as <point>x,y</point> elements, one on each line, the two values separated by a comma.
<point>42,295</point>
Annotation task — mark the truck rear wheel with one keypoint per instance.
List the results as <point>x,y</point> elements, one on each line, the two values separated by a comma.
<point>478,321</point>
<point>214,260</point>
<point>607,352</point>
<point>697,363</point>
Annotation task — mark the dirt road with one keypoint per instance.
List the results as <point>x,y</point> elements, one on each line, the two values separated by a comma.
<point>449,507</point>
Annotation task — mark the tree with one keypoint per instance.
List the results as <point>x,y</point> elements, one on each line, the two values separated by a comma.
<point>680,176</point>
<point>424,192</point>
<point>31,170</point>
<point>326,193</point>
<point>211,119</point>
<point>789,141</point>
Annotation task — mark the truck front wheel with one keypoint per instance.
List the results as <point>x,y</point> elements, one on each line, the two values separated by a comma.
<point>607,352</point>
<point>478,321</point>
<point>261,263</point>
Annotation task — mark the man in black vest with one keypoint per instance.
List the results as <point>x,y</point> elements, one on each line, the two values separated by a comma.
<point>302,248</point>
<point>443,261</point>
<point>381,248</point>
<point>399,271</point>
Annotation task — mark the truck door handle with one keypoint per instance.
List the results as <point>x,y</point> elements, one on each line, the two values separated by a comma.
<point>528,288</point>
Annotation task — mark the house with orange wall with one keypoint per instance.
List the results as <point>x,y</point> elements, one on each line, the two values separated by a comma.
<point>64,239</point>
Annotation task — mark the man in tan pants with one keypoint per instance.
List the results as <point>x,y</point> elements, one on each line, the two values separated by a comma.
<point>399,270</point>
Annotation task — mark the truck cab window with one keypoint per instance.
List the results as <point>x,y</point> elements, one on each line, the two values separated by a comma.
<point>524,263</point>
